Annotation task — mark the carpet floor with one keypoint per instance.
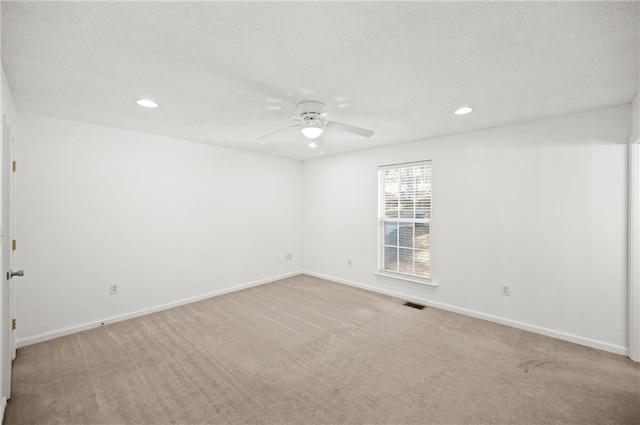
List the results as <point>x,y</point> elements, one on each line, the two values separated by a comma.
<point>307,351</point>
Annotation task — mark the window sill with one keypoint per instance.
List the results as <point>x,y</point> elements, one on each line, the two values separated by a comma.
<point>407,278</point>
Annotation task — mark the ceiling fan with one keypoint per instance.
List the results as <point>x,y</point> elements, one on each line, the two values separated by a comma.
<point>312,122</point>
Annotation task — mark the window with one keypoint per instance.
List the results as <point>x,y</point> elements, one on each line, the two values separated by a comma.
<point>405,220</point>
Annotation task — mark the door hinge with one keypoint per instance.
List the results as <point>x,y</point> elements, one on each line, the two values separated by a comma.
<point>13,324</point>
<point>14,166</point>
<point>14,245</point>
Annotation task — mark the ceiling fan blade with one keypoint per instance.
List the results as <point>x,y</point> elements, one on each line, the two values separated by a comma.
<point>350,129</point>
<point>278,131</point>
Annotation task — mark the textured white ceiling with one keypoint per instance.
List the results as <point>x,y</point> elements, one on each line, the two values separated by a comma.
<point>226,73</point>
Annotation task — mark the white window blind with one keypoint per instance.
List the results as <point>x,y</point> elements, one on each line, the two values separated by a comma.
<point>405,220</point>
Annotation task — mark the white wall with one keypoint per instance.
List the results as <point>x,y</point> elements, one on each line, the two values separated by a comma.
<point>539,206</point>
<point>7,101</point>
<point>635,119</point>
<point>165,219</point>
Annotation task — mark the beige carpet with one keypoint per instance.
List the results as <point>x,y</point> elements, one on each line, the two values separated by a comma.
<point>307,351</point>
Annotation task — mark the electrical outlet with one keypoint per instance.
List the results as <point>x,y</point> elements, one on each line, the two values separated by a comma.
<point>113,289</point>
<point>349,262</point>
<point>506,291</point>
<point>288,257</point>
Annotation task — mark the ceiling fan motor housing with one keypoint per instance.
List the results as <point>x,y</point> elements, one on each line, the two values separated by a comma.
<point>310,111</point>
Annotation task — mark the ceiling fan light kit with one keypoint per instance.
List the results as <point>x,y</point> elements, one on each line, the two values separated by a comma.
<point>310,113</point>
<point>313,123</point>
<point>311,131</point>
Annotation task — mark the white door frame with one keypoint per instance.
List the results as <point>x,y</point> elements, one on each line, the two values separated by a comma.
<point>6,344</point>
<point>633,326</point>
<point>6,349</point>
<point>9,205</point>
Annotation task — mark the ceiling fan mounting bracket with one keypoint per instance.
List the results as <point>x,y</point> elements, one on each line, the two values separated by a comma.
<point>311,106</point>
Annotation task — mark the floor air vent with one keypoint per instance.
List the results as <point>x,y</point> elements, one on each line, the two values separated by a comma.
<point>413,305</point>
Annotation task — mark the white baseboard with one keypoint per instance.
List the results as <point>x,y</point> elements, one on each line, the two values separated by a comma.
<point>98,323</point>
<point>588,342</point>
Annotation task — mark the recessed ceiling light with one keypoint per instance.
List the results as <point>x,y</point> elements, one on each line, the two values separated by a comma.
<point>147,103</point>
<point>463,110</point>
<point>312,145</point>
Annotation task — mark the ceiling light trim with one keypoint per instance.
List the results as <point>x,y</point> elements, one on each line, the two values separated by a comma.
<point>463,110</point>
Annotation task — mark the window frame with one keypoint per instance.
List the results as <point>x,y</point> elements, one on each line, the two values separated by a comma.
<point>382,220</point>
